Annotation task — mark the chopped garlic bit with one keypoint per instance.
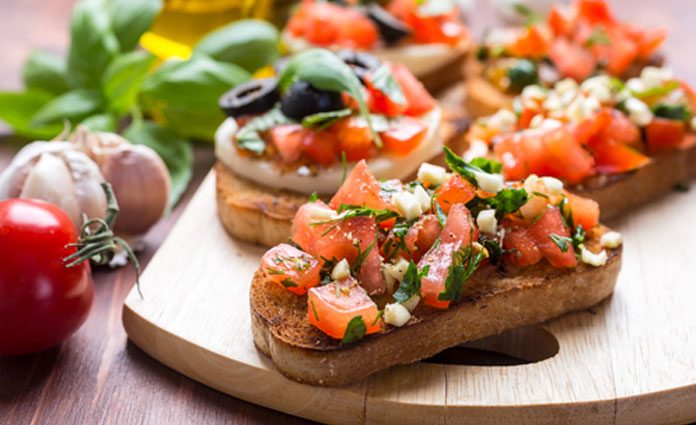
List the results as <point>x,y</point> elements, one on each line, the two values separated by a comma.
<point>486,221</point>
<point>598,87</point>
<point>582,108</point>
<point>653,76</point>
<point>396,314</point>
<point>565,86</point>
<point>638,111</point>
<point>412,302</point>
<point>320,214</point>
<point>422,196</point>
<point>531,95</point>
<point>341,270</point>
<point>504,121</point>
<point>397,270</point>
<point>477,148</point>
<point>554,186</point>
<point>611,240</point>
<point>589,257</point>
<point>491,183</point>
<point>407,204</point>
<point>432,174</point>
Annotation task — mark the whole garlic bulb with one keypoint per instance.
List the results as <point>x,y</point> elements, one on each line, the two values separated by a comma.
<point>58,173</point>
<point>137,174</point>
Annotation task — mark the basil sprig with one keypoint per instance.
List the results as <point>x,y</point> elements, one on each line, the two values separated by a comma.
<point>325,71</point>
<point>249,137</point>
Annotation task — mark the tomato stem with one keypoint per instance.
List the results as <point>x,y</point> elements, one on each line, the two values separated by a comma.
<point>97,242</point>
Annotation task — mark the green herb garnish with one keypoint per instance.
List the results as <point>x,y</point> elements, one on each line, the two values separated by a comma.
<point>323,120</point>
<point>411,283</point>
<point>355,330</point>
<point>562,242</point>
<point>384,81</point>
<point>672,112</point>
<point>464,264</point>
<point>249,137</point>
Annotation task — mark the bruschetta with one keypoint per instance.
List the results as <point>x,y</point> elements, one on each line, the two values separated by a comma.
<point>390,272</point>
<point>574,41</point>
<point>621,144</point>
<point>428,37</point>
<point>295,134</point>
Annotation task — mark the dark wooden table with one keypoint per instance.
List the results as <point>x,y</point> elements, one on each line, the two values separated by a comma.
<point>97,376</point>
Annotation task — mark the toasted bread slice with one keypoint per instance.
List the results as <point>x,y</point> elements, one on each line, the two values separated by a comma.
<point>482,97</point>
<point>492,302</point>
<point>440,79</point>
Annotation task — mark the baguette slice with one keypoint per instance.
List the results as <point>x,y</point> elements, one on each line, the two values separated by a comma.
<point>491,303</point>
<point>482,97</point>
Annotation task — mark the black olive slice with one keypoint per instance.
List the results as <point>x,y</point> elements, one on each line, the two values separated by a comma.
<point>390,27</point>
<point>361,62</point>
<point>252,97</point>
<point>302,99</point>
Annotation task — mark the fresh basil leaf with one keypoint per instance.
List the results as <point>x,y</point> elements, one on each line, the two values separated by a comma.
<point>464,264</point>
<point>183,95</point>
<point>672,112</point>
<point>131,18</point>
<point>355,330</point>
<point>384,81</point>
<point>249,43</point>
<point>439,213</point>
<point>490,166</point>
<point>101,122</point>
<point>323,120</point>
<point>45,71</point>
<point>461,167</point>
<point>494,248</point>
<point>17,109</point>
<point>326,71</point>
<point>562,242</point>
<point>122,79</point>
<point>249,137</point>
<point>410,285</point>
<point>73,106</point>
<point>174,151</point>
<point>346,211</point>
<point>93,45</point>
<point>508,200</point>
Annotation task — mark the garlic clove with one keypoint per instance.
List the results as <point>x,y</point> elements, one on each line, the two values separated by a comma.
<point>12,178</point>
<point>87,180</point>
<point>50,180</point>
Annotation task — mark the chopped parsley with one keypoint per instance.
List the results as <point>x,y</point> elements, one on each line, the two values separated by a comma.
<point>249,138</point>
<point>490,166</point>
<point>461,167</point>
<point>384,81</point>
<point>362,255</point>
<point>355,330</point>
<point>411,283</point>
<point>562,242</point>
<point>672,112</point>
<point>288,283</point>
<point>464,264</point>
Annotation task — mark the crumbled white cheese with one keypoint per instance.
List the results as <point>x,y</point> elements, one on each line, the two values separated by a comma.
<point>396,314</point>
<point>611,240</point>
<point>412,302</point>
<point>638,111</point>
<point>635,85</point>
<point>486,221</point>
<point>317,213</point>
<point>554,186</point>
<point>533,94</point>
<point>477,149</point>
<point>489,182</point>
<point>389,280</point>
<point>567,85</point>
<point>341,270</point>
<point>554,103</point>
<point>653,76</point>
<point>407,204</point>
<point>589,257</point>
<point>423,197</point>
<point>536,121</point>
<point>503,121</point>
<point>397,270</point>
<point>550,124</point>
<point>598,87</point>
<point>582,108</point>
<point>431,174</point>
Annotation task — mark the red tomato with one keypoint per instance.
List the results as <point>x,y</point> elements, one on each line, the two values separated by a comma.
<point>459,232</point>
<point>572,60</point>
<point>595,11</point>
<point>354,138</point>
<point>589,128</point>
<point>566,158</point>
<point>585,211</point>
<point>532,43</point>
<point>404,136</point>
<point>418,240</point>
<point>523,249</point>
<point>560,21</point>
<point>612,158</point>
<point>360,188</point>
<point>380,103</point>
<point>664,134</point>
<point>552,223</point>
<point>288,141</point>
<point>418,98</point>
<point>291,268</point>
<point>619,128</point>
<point>508,150</point>
<point>650,41</point>
<point>321,147</point>
<point>321,26</point>
<point>331,307</point>
<point>42,302</point>
<point>356,31</point>
<point>454,191</point>
<point>622,53</point>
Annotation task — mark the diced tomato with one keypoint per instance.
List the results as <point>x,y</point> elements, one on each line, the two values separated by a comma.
<point>418,98</point>
<point>438,29</point>
<point>325,24</point>
<point>523,249</point>
<point>320,25</point>
<point>526,117</point>
<point>459,232</point>
<point>551,223</point>
<point>613,158</point>
<point>585,211</point>
<point>595,11</point>
<point>305,230</point>
<point>532,43</point>
<point>380,103</point>
<point>622,53</point>
<point>291,268</point>
<point>287,139</point>
<point>560,20</point>
<point>356,31</point>
<point>354,138</point>
<point>417,241</point>
<point>404,136</point>
<point>456,190</point>
<point>508,150</point>
<point>360,188</point>
<point>664,134</point>
<point>566,158</point>
<point>650,41</point>
<point>589,128</point>
<point>321,147</point>
<point>619,128</point>
<point>571,59</point>
<point>331,307</point>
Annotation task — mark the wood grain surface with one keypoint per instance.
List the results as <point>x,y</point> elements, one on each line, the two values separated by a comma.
<point>97,376</point>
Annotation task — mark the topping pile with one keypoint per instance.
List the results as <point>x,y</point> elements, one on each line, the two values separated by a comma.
<point>366,27</point>
<point>423,240</point>
<point>323,106</point>
<point>601,126</point>
<point>573,41</point>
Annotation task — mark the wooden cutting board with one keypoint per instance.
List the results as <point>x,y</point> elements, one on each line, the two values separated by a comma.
<point>630,360</point>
